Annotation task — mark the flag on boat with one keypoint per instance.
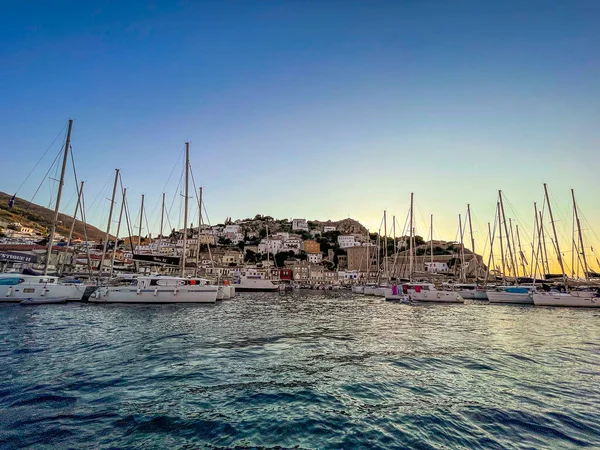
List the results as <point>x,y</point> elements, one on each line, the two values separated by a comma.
<point>11,202</point>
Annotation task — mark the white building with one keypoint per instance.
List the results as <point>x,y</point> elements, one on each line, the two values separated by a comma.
<point>272,245</point>
<point>347,241</point>
<point>328,228</point>
<point>436,267</point>
<point>315,258</point>
<point>292,243</point>
<point>299,225</point>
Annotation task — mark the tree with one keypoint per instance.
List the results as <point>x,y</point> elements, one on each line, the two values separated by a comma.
<point>250,256</point>
<point>281,257</point>
<point>241,245</point>
<point>224,241</point>
<point>262,232</point>
<point>302,256</point>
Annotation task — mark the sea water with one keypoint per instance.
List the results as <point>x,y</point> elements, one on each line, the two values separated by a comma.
<point>309,370</point>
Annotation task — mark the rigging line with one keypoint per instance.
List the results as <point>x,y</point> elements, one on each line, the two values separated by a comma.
<point>42,182</point>
<point>40,160</point>
<point>159,201</point>
<point>168,212</point>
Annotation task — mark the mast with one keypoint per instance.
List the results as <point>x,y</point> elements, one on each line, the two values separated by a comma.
<point>514,249</point>
<point>533,240</point>
<point>368,260</point>
<point>543,234</point>
<point>199,227</point>
<point>385,261</point>
<point>520,251</point>
<point>58,196</point>
<point>501,246</point>
<point>491,258</point>
<point>185,206</point>
<point>114,253</point>
<point>110,212</point>
<point>431,242</point>
<point>72,229</point>
<point>141,216</point>
<point>411,249</point>
<point>510,252</point>
<point>461,253</point>
<point>585,264</point>
<point>559,256</point>
<point>162,221</point>
<point>472,242</point>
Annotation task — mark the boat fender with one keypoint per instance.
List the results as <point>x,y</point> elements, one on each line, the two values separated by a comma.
<point>175,291</point>
<point>139,291</point>
<point>155,292</point>
<point>9,292</point>
<point>438,294</point>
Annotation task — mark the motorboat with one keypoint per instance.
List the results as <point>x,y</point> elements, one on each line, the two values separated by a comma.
<point>252,280</point>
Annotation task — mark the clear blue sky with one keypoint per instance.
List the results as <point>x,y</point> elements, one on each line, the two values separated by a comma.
<point>316,109</point>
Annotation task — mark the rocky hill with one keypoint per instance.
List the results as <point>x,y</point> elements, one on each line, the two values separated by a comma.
<point>40,218</point>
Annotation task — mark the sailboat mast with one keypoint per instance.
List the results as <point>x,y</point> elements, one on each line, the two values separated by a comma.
<point>199,227</point>
<point>501,245</point>
<point>559,256</point>
<point>520,251</point>
<point>533,241</point>
<point>141,216</point>
<point>543,234</point>
<point>510,253</point>
<point>162,222</point>
<point>368,259</point>
<point>411,249</point>
<point>114,253</point>
<point>185,207</point>
<point>431,241</point>
<point>491,261</point>
<point>585,264</point>
<point>385,260</point>
<point>472,240</point>
<point>72,229</point>
<point>110,212</point>
<point>514,249</point>
<point>58,197</point>
<point>462,249</point>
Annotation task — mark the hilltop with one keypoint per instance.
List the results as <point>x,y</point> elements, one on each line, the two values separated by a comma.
<point>39,218</point>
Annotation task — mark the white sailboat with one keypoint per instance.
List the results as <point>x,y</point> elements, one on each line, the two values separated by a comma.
<point>162,289</point>
<point>427,292</point>
<point>19,287</point>
<point>589,298</point>
<point>157,289</point>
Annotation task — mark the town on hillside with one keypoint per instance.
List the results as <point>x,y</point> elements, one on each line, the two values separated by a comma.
<point>307,252</point>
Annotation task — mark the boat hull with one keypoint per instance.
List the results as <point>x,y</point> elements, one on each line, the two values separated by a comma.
<point>24,291</point>
<point>566,300</point>
<point>185,294</point>
<point>436,297</point>
<point>43,301</point>
<point>369,290</point>
<point>473,294</point>
<point>510,297</point>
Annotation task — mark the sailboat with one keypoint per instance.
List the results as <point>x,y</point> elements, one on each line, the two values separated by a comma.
<point>518,294</point>
<point>582,298</point>
<point>35,287</point>
<point>162,289</point>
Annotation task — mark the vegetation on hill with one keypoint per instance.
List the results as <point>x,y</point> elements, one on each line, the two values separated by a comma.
<point>40,219</point>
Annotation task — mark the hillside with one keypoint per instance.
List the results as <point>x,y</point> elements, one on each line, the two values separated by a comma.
<point>40,218</point>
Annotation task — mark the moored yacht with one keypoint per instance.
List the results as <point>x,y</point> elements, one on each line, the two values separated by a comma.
<point>15,287</point>
<point>511,294</point>
<point>468,291</point>
<point>252,280</point>
<point>157,289</point>
<point>580,298</point>
<point>427,292</point>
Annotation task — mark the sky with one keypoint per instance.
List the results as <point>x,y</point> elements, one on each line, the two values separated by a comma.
<point>309,109</point>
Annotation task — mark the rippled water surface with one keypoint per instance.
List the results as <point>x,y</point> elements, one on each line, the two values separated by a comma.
<point>327,370</point>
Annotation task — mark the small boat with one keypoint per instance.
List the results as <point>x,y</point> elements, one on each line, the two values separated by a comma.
<point>43,301</point>
<point>468,291</point>
<point>253,280</point>
<point>16,287</point>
